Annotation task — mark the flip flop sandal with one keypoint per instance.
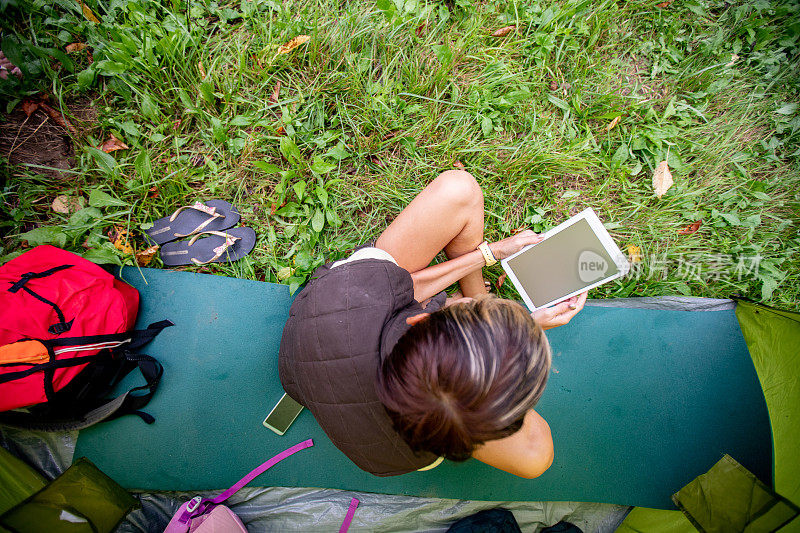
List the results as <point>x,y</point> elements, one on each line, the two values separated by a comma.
<point>213,215</point>
<point>217,247</point>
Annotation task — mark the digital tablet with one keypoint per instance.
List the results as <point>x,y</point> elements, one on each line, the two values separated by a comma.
<point>574,257</point>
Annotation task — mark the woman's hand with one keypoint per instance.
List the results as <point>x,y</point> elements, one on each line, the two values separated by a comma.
<point>561,313</point>
<point>511,245</point>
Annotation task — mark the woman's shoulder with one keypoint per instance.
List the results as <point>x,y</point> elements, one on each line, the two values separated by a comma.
<point>367,283</point>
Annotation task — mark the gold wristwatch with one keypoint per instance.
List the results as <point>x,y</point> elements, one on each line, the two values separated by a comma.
<point>488,256</point>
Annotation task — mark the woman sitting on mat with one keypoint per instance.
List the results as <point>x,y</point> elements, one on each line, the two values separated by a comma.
<point>400,377</point>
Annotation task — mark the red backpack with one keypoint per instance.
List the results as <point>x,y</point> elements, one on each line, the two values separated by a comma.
<point>66,341</point>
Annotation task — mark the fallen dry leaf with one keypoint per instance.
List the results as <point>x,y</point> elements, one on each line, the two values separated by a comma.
<point>613,123</point>
<point>420,31</point>
<point>153,192</point>
<point>144,257</point>
<point>662,5</point>
<point>121,242</point>
<point>501,280</point>
<point>662,179</point>
<point>502,32</point>
<point>59,205</point>
<point>276,92</point>
<point>280,131</point>
<point>65,204</point>
<point>691,228</point>
<point>29,107</point>
<point>88,13</point>
<point>58,117</point>
<point>458,164</point>
<point>113,144</point>
<point>294,43</point>
<point>76,47</point>
<point>201,69</point>
<point>274,207</point>
<point>634,254</point>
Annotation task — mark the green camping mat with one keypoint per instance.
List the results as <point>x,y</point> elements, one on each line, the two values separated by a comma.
<point>640,402</point>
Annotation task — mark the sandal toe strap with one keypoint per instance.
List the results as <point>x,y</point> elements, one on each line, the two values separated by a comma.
<point>203,208</point>
<point>230,240</point>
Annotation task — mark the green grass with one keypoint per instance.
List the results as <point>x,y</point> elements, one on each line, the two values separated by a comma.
<point>388,94</point>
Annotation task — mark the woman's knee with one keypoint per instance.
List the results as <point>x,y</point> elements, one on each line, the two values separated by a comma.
<point>460,187</point>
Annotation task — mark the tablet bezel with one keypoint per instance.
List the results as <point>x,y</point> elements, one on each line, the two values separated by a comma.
<point>622,264</point>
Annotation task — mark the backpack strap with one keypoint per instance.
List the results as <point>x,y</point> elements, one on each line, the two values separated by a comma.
<point>62,325</point>
<point>124,404</point>
<point>137,339</point>
<point>198,506</point>
<point>127,403</point>
<point>152,372</point>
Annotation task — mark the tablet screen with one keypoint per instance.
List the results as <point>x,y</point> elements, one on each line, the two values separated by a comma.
<point>566,262</point>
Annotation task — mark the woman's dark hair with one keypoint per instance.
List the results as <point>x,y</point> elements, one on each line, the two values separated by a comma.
<point>465,375</point>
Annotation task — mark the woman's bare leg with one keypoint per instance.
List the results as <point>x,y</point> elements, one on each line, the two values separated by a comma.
<point>447,215</point>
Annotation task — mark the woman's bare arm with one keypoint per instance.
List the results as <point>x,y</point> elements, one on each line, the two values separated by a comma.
<point>527,453</point>
<point>434,279</point>
<point>438,277</point>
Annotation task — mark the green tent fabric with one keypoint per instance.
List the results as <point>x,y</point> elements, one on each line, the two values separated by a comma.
<point>18,481</point>
<point>638,401</point>
<point>646,520</point>
<point>726,498</point>
<point>773,338</point>
<point>81,500</point>
<point>729,498</point>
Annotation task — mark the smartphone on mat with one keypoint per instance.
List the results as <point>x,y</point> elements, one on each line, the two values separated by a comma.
<point>283,414</point>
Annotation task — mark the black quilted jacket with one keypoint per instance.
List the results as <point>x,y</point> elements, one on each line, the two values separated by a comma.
<point>340,326</point>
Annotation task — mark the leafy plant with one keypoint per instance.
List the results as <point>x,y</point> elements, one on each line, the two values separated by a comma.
<point>83,229</point>
<point>301,209</point>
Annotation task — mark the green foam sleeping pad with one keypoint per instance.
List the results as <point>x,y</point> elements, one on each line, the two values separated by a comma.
<point>640,402</point>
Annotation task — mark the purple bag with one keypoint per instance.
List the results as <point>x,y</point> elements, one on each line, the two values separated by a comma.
<point>208,515</point>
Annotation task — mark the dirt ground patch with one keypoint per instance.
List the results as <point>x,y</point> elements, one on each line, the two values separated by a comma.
<point>37,141</point>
